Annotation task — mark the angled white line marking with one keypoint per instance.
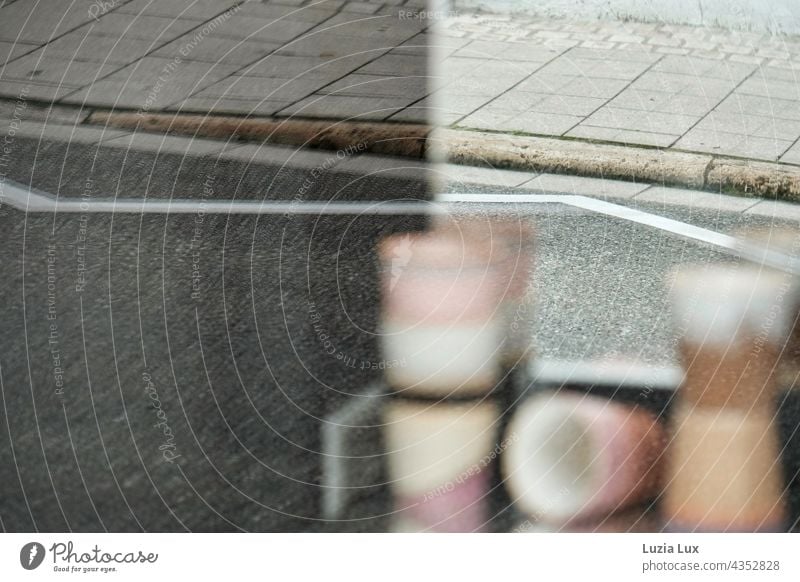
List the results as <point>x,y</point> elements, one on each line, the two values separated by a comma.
<point>28,200</point>
<point>732,245</point>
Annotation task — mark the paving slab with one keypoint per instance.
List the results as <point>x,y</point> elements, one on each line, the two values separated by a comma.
<point>545,183</point>
<point>229,105</point>
<point>41,69</point>
<point>151,83</point>
<point>11,50</point>
<point>140,27</point>
<point>637,83</point>
<point>696,199</point>
<point>86,46</point>
<point>624,136</point>
<point>230,51</point>
<point>348,107</point>
<point>195,9</point>
<point>736,144</point>
<point>40,22</point>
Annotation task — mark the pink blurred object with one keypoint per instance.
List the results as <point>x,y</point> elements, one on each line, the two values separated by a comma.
<point>441,305</point>
<point>577,458</point>
<point>460,507</point>
<point>440,458</point>
<point>455,305</point>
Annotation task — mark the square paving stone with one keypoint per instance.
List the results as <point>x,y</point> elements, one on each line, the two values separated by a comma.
<point>48,70</point>
<point>272,89</point>
<point>152,83</point>
<point>792,156</point>
<point>339,106</point>
<point>197,9</point>
<point>378,86</point>
<point>252,107</point>
<point>316,12</point>
<point>642,100</point>
<point>397,65</point>
<point>42,21</point>
<point>283,66</point>
<point>95,48</point>
<point>623,136</point>
<point>217,50</point>
<point>733,144</point>
<point>247,26</point>
<point>605,69</point>
<point>649,121</point>
<point>28,90</point>
<point>140,27</point>
<point>541,123</point>
<point>696,67</point>
<point>12,50</point>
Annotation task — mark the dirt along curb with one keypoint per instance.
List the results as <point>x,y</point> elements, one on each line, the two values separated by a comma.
<point>775,181</point>
<point>399,139</point>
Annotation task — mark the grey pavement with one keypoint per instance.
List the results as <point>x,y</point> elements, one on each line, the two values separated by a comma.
<point>330,58</point>
<point>680,87</point>
<point>667,86</point>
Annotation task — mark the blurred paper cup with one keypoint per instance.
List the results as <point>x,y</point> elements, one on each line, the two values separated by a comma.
<point>441,306</point>
<point>724,471</point>
<point>439,459</point>
<point>578,458</point>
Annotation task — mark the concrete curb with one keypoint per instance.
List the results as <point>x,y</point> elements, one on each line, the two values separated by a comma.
<point>399,139</point>
<point>475,148</point>
<point>665,167</point>
<point>572,157</point>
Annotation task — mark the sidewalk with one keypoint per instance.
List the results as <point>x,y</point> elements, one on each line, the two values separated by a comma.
<point>677,87</point>
<point>685,94</point>
<point>284,57</point>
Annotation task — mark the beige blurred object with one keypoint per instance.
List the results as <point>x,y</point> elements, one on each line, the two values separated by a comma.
<point>440,458</point>
<point>724,469</point>
<point>787,242</point>
<point>512,241</point>
<point>726,472</point>
<point>442,294</point>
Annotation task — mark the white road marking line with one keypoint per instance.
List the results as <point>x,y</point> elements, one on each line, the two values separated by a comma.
<point>732,245</point>
<point>28,200</point>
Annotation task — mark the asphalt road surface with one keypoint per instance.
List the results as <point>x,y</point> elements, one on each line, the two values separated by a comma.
<point>601,282</point>
<point>168,373</point>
